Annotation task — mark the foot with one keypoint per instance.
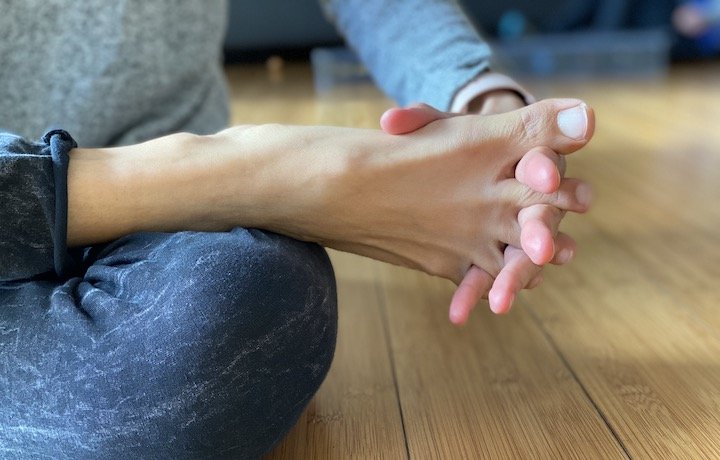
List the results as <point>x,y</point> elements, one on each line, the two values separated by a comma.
<point>541,169</point>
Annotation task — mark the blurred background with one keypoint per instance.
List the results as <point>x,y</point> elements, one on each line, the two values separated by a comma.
<point>531,38</point>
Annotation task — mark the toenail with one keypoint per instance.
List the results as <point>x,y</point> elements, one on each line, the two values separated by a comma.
<point>573,122</point>
<point>583,193</point>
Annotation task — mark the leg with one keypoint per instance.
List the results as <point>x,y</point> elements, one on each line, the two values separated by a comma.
<point>186,345</point>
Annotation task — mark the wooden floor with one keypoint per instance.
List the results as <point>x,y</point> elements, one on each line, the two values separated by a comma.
<point>615,356</point>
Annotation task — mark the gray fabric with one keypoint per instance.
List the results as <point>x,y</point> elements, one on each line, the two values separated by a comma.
<point>33,205</point>
<point>173,346</point>
<point>122,71</point>
<point>112,72</point>
<point>416,50</point>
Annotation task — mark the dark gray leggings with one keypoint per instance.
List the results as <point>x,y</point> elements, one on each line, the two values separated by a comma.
<point>184,345</point>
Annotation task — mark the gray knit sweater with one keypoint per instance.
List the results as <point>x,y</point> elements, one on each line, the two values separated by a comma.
<point>111,72</point>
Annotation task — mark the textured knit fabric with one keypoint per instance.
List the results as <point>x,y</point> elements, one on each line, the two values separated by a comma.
<point>417,50</point>
<point>124,71</point>
<point>112,72</point>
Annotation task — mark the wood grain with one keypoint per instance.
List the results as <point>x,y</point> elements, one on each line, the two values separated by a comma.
<point>636,317</point>
<point>493,389</point>
<point>615,356</point>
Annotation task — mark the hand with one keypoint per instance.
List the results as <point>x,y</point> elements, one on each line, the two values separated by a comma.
<point>539,170</point>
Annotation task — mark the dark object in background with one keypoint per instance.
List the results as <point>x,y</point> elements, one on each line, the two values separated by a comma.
<point>511,19</point>
<point>258,30</point>
<point>585,54</point>
<point>292,28</point>
<point>699,20</point>
<point>574,15</point>
<point>590,54</point>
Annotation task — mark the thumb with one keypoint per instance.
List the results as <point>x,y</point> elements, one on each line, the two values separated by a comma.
<point>409,119</point>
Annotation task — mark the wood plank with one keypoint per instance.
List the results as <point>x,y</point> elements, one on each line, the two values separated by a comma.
<point>636,316</point>
<point>650,366</point>
<point>494,389</point>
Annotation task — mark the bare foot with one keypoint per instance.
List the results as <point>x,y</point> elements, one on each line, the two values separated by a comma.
<point>541,169</point>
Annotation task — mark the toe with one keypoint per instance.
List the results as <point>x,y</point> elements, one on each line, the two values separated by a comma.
<point>535,282</point>
<point>563,125</point>
<point>564,249</point>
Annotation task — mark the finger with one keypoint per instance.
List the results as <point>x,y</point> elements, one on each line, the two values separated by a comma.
<point>515,275</point>
<point>520,272</point>
<point>406,120</point>
<point>538,226</point>
<point>572,195</point>
<point>565,248</point>
<point>541,169</point>
<point>536,240</point>
<point>472,288</point>
<point>535,282</point>
<point>534,231</point>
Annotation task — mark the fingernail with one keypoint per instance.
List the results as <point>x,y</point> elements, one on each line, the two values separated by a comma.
<point>564,256</point>
<point>499,308</point>
<point>457,317</point>
<point>573,122</point>
<point>535,244</point>
<point>583,193</point>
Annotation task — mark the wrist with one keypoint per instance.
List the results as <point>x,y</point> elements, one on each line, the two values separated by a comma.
<point>469,98</point>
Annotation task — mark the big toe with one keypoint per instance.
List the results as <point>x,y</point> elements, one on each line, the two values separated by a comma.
<point>563,125</point>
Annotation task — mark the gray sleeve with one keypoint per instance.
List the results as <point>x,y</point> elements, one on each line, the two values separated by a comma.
<point>33,205</point>
<point>416,50</point>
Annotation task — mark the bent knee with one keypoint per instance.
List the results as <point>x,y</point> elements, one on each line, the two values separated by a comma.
<point>281,315</point>
<point>266,281</point>
<point>249,322</point>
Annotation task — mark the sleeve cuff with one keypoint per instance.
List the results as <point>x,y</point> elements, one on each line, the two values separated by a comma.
<point>485,83</point>
<point>60,143</point>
